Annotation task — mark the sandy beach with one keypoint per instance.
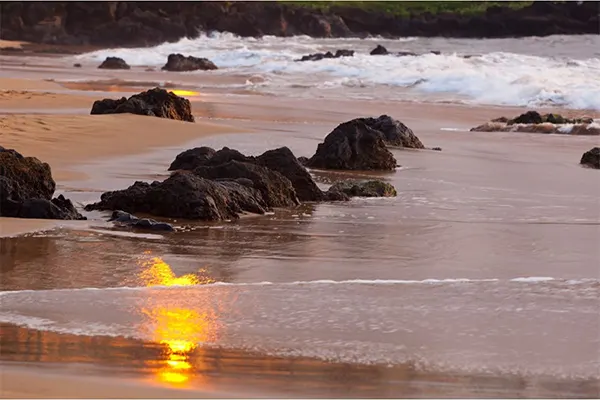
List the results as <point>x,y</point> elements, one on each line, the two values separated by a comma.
<point>512,213</point>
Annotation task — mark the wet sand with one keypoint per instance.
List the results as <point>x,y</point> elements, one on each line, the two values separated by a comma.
<point>469,211</point>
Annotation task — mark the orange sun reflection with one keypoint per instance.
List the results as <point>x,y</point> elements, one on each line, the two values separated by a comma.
<point>179,329</point>
<point>185,92</point>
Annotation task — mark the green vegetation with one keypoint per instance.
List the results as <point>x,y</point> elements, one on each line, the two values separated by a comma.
<point>405,8</point>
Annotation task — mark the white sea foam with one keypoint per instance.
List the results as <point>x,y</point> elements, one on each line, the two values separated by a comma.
<point>495,77</point>
<point>430,281</point>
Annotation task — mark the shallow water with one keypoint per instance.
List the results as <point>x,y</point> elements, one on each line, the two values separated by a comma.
<point>484,268</point>
<point>476,266</point>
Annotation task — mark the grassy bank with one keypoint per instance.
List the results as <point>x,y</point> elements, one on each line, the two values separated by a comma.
<point>405,8</point>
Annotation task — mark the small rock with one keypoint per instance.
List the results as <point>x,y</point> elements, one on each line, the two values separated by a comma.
<point>374,188</point>
<point>591,158</point>
<point>77,65</point>
<point>436,148</point>
<point>379,51</point>
<point>114,63</point>
<point>181,63</point>
<point>321,56</point>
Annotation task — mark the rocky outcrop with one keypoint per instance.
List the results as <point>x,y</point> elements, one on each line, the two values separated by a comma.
<point>394,132</point>
<point>534,122</point>
<point>280,160</point>
<point>276,189</point>
<point>192,158</point>
<point>181,63</point>
<point>154,102</point>
<point>185,195</point>
<point>121,218</point>
<point>591,158</point>
<point>113,63</point>
<point>353,145</point>
<point>374,188</point>
<point>112,24</point>
<point>320,56</point>
<point>26,189</point>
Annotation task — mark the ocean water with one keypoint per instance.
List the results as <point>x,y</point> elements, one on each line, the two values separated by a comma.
<point>555,71</point>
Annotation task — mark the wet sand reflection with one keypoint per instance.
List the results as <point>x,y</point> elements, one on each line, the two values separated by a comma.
<point>180,330</point>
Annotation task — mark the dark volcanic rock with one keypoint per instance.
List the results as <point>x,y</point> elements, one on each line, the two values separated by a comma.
<point>181,63</point>
<point>192,158</point>
<point>77,65</point>
<point>379,51</point>
<point>591,158</point>
<point>283,161</point>
<point>113,63</point>
<point>395,133</point>
<point>530,117</point>
<point>303,160</point>
<point>373,188</point>
<point>320,56</point>
<point>125,219</point>
<point>276,189</point>
<point>154,102</point>
<point>26,189</point>
<point>353,145</point>
<point>185,195</point>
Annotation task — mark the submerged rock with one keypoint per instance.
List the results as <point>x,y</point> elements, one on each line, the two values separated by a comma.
<point>113,63</point>
<point>321,56</point>
<point>379,51</point>
<point>534,122</point>
<point>26,189</point>
<point>181,63</point>
<point>373,188</point>
<point>154,102</point>
<point>353,145</point>
<point>591,158</point>
<point>126,219</point>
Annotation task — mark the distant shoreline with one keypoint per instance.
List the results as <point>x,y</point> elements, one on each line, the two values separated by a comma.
<point>130,24</point>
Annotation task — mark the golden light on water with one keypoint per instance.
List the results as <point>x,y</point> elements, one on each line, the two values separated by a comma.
<point>179,329</point>
<point>185,92</point>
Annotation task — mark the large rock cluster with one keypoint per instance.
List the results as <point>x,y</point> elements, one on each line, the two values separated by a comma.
<point>534,122</point>
<point>27,187</point>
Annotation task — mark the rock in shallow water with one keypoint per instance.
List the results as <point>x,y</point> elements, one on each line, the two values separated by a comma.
<point>185,195</point>
<point>154,102</point>
<point>126,219</point>
<point>181,63</point>
<point>113,63</point>
<point>281,160</point>
<point>591,158</point>
<point>373,188</point>
<point>353,145</point>
<point>26,189</point>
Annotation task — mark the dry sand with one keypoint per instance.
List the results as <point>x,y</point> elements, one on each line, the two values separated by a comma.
<point>65,141</point>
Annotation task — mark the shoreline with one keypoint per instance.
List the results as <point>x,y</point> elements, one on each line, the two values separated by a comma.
<point>141,369</point>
